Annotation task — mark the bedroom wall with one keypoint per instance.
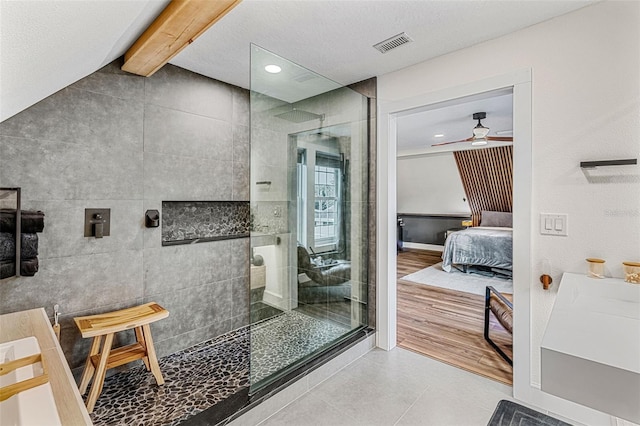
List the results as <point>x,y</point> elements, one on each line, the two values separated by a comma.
<point>586,104</point>
<point>430,184</point>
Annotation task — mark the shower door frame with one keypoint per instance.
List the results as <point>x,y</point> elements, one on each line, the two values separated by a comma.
<point>357,117</point>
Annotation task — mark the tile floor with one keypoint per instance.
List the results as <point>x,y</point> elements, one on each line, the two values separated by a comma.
<point>392,388</point>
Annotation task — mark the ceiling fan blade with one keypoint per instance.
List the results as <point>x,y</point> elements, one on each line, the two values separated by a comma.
<point>447,143</point>
<point>500,138</point>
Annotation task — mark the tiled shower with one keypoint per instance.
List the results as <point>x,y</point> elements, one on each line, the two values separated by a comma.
<point>178,143</point>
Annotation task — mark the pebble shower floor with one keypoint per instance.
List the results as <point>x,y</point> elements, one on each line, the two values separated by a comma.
<point>203,375</point>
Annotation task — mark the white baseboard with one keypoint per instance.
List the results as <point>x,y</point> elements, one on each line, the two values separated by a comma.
<point>566,410</point>
<point>420,246</point>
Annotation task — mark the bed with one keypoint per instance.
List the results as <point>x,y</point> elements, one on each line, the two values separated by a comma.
<point>483,246</point>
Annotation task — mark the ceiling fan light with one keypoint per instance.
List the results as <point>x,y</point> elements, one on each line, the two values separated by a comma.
<point>478,142</point>
<point>480,132</point>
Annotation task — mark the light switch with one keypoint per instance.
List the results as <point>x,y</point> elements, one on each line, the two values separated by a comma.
<point>554,224</point>
<point>558,224</point>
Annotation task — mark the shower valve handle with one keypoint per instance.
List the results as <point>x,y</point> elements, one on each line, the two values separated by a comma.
<point>98,225</point>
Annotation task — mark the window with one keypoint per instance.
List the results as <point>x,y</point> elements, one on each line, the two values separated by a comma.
<point>327,179</point>
<point>302,196</point>
<point>319,189</point>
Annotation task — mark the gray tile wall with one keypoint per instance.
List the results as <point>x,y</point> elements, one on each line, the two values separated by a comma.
<point>119,141</point>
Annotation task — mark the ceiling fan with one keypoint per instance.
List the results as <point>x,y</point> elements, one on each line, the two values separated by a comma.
<point>480,134</point>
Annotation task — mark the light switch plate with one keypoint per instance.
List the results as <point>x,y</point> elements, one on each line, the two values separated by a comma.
<point>554,224</point>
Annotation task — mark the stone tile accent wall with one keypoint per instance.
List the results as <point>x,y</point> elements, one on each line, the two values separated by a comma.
<point>186,222</point>
<point>119,141</point>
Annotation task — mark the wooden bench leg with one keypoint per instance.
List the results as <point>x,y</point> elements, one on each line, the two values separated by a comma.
<point>140,339</point>
<point>98,379</point>
<point>151,354</point>
<point>87,374</point>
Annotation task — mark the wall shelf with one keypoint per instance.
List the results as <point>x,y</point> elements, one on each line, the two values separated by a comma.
<point>602,163</point>
<point>189,222</point>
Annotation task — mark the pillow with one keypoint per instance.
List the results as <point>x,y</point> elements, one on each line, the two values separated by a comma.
<point>501,219</point>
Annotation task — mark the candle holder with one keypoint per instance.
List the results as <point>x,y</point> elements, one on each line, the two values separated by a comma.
<point>596,268</point>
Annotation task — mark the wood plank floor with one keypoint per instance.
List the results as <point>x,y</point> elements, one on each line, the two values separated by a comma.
<point>447,325</point>
<point>411,260</point>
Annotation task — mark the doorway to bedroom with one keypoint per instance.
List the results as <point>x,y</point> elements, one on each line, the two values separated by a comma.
<point>454,204</point>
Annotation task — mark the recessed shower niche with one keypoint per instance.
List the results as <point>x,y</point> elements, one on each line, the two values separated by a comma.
<point>189,222</point>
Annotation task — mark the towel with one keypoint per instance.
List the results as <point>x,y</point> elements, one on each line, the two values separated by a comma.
<point>28,246</point>
<point>31,221</point>
<point>28,268</point>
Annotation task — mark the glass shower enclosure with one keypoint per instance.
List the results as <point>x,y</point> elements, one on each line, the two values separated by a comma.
<point>309,189</point>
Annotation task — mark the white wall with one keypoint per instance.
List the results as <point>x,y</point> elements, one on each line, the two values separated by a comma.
<point>586,104</point>
<point>430,184</point>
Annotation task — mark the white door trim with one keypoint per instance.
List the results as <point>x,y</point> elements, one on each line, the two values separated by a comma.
<point>520,81</point>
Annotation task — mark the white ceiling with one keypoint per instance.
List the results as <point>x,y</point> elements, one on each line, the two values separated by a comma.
<point>45,46</point>
<point>335,38</point>
<point>454,121</point>
<point>292,84</point>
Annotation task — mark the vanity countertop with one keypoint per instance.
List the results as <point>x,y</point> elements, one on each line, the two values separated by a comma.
<point>596,319</point>
<point>590,352</point>
<point>34,322</point>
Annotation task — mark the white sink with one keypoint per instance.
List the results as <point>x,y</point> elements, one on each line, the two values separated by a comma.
<point>590,351</point>
<point>605,297</point>
<point>34,406</point>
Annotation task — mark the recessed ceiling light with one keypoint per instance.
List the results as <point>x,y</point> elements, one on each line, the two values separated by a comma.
<point>439,135</point>
<point>273,69</point>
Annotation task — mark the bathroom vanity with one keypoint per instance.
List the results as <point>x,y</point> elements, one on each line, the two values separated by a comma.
<point>59,395</point>
<point>590,352</point>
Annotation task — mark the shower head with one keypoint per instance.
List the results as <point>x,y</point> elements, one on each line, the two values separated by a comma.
<point>299,116</point>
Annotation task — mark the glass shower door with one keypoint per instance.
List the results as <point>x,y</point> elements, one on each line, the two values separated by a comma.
<point>309,189</point>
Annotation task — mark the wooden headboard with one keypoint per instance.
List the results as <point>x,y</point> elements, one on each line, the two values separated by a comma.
<point>487,178</point>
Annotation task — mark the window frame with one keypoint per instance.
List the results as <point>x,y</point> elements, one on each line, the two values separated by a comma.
<point>329,242</point>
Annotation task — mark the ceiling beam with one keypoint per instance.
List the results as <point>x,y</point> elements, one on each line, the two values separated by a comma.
<point>179,24</point>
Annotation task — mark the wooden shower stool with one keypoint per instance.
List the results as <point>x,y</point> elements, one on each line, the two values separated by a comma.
<point>107,324</point>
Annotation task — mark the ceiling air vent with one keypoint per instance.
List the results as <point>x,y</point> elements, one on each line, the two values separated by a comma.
<point>305,76</point>
<point>393,42</point>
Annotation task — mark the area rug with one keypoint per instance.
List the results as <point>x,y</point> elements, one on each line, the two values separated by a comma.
<point>511,414</point>
<point>460,281</point>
